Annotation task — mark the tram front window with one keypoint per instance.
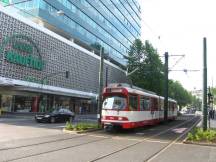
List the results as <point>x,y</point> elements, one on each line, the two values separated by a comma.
<point>114,102</point>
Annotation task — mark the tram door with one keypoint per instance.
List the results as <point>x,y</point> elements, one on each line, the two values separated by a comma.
<point>161,109</point>
<point>154,109</point>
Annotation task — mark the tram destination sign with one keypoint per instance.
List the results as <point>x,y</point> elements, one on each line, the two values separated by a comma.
<point>20,49</point>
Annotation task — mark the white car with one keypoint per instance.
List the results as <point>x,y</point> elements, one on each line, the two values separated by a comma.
<point>199,113</point>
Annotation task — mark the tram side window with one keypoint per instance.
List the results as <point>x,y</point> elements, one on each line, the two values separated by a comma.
<point>170,106</point>
<point>144,104</point>
<point>161,105</point>
<point>133,103</point>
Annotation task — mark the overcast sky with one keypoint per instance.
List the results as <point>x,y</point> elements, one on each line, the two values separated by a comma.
<point>181,26</point>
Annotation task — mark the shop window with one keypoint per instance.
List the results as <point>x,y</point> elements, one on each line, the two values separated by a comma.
<point>6,103</point>
<point>23,104</point>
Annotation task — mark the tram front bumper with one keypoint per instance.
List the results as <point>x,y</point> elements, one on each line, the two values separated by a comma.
<point>125,125</point>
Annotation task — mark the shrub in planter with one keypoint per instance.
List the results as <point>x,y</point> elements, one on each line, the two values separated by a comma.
<point>199,135</point>
<point>80,126</point>
<point>69,126</point>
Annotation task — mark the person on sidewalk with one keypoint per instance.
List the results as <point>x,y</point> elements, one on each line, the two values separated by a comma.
<point>210,114</point>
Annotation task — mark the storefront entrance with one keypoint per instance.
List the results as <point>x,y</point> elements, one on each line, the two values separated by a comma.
<point>23,104</point>
<point>30,102</point>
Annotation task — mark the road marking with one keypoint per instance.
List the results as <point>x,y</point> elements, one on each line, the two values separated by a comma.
<point>138,142</point>
<point>98,136</point>
<point>179,130</point>
<point>156,141</point>
<point>59,126</point>
<point>168,146</point>
<point>125,138</point>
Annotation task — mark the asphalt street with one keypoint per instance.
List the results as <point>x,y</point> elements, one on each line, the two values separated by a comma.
<point>162,143</point>
<point>23,128</point>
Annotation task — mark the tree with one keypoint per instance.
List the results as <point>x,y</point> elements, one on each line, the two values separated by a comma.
<point>196,103</point>
<point>181,95</point>
<point>213,90</point>
<point>149,74</point>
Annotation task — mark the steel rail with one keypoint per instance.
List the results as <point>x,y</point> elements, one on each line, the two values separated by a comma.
<point>81,144</point>
<point>145,139</point>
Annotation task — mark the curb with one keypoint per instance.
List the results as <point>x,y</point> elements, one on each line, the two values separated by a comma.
<point>186,138</point>
<point>16,117</point>
<point>185,141</point>
<point>200,144</point>
<point>80,132</point>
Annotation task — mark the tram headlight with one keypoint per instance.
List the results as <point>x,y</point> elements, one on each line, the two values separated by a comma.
<point>120,118</point>
<point>123,118</point>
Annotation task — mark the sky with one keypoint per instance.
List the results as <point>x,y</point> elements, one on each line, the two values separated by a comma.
<point>178,27</point>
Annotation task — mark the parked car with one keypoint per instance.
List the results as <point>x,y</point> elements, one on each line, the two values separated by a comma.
<point>200,113</point>
<point>57,115</point>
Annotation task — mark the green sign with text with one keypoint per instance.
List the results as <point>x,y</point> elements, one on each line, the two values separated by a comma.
<point>5,1</point>
<point>21,50</point>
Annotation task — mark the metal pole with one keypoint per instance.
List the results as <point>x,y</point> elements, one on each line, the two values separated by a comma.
<point>208,105</point>
<point>204,103</point>
<point>100,86</point>
<point>106,76</point>
<point>166,71</point>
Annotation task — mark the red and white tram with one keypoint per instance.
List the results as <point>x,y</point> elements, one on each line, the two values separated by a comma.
<point>130,107</point>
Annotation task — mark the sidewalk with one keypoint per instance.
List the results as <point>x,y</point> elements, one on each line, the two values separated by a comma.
<point>212,123</point>
<point>78,117</point>
<point>18,115</point>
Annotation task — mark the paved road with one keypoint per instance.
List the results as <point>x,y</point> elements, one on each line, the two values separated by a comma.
<point>19,128</point>
<point>158,144</point>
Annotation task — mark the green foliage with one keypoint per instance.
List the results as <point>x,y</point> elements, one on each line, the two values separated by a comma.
<point>69,126</point>
<point>80,126</point>
<point>197,103</point>
<point>177,91</point>
<point>199,135</point>
<point>190,136</point>
<point>150,68</point>
<point>150,73</point>
<point>213,90</point>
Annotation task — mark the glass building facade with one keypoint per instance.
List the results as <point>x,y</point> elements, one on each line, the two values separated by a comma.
<point>113,24</point>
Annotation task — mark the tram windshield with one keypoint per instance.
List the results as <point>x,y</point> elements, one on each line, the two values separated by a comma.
<point>114,102</point>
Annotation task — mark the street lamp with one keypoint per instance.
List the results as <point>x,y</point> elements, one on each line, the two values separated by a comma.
<point>100,85</point>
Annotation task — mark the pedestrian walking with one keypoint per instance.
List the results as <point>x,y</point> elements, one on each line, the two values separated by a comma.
<point>210,114</point>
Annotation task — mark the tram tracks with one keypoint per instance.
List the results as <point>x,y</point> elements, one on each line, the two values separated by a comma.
<point>102,138</point>
<point>147,139</point>
<point>53,150</point>
<point>170,144</point>
<point>41,143</point>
